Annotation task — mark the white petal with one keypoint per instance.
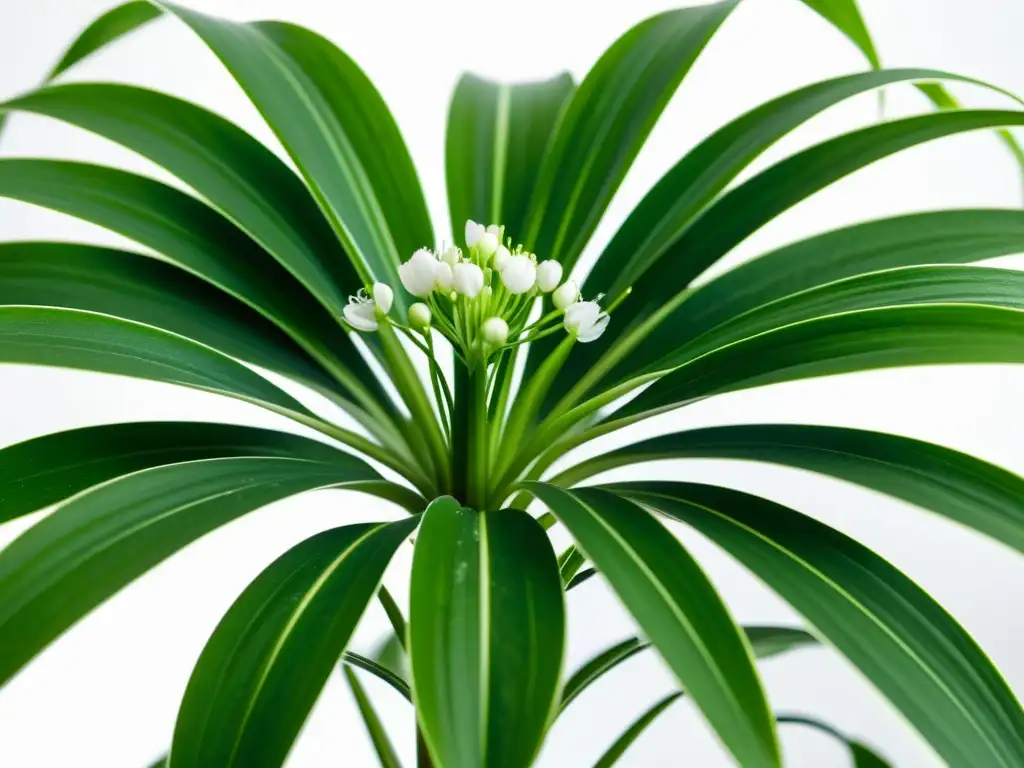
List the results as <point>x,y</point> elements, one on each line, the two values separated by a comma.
<point>494,229</point>
<point>565,295</point>
<point>383,296</point>
<point>519,274</point>
<point>596,329</point>
<point>468,278</point>
<point>488,244</point>
<point>418,273</point>
<point>474,232</point>
<point>581,316</point>
<point>501,257</point>
<point>443,278</point>
<point>549,274</point>
<point>451,256</point>
<point>361,315</point>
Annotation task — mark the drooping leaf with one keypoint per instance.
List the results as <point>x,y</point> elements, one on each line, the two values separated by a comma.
<point>631,734</point>
<point>380,672</point>
<point>374,727</point>
<point>338,131</point>
<point>229,168</point>
<point>486,635</point>
<point>677,608</point>
<point>268,659</point>
<point>965,489</point>
<point>569,563</point>
<point>98,542</point>
<point>863,756</point>
<point>857,341</point>
<point>152,292</point>
<point>901,639</point>
<point>48,469</point>
<point>498,136</point>
<point>608,120</point>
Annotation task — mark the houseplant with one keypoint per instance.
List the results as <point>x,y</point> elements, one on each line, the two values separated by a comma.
<point>256,270</point>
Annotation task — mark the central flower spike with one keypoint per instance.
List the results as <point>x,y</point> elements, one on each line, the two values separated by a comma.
<point>481,299</point>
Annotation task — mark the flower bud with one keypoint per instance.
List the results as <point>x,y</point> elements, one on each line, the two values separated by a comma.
<point>501,257</point>
<point>451,256</point>
<point>419,273</point>
<point>549,274</point>
<point>495,230</point>
<point>566,294</point>
<point>488,244</point>
<point>495,331</point>
<point>444,278</point>
<point>468,278</point>
<point>474,232</point>
<point>419,315</point>
<point>585,321</point>
<point>383,296</point>
<point>519,274</point>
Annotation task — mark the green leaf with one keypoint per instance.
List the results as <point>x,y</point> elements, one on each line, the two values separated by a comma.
<point>380,672</point>
<point>98,542</point>
<point>569,562</point>
<point>972,492</point>
<point>857,341</point>
<point>381,743</point>
<point>845,16</point>
<point>765,642</point>
<point>227,167</point>
<point>608,120</point>
<point>161,762</point>
<point>903,641</point>
<point>935,237</point>
<point>621,744</point>
<point>584,575</point>
<point>677,608</point>
<point>338,131</point>
<point>890,288</point>
<point>72,339</point>
<point>486,635</point>
<point>862,755</point>
<point>152,292</point>
<point>746,208</point>
<point>48,469</point>
<point>193,236</point>
<point>267,661</point>
<point>498,136</point>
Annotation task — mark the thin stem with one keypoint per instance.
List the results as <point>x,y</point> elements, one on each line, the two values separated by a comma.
<point>444,403</point>
<point>394,614</point>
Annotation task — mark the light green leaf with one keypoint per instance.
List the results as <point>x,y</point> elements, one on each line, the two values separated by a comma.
<point>380,672</point>
<point>857,341</point>
<point>381,743</point>
<point>862,755</point>
<point>268,659</point>
<point>902,640</point>
<point>965,489</point>
<point>152,292</point>
<point>161,762</point>
<point>338,131</point>
<point>678,609</point>
<point>98,542</point>
<point>486,635</point>
<point>608,120</point>
<point>48,469</point>
<point>569,562</point>
<point>845,16</point>
<point>631,734</point>
<point>231,170</point>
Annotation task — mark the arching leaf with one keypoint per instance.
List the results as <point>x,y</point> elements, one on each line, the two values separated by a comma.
<point>374,727</point>
<point>863,756</point>
<point>631,734</point>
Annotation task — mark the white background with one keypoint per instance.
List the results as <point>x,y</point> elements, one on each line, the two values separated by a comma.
<point>106,693</point>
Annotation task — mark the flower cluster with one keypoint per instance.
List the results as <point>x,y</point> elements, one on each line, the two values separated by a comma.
<point>482,299</point>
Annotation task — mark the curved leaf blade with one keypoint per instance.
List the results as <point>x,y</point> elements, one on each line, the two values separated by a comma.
<point>98,542</point>
<point>907,645</point>
<point>962,488</point>
<point>48,469</point>
<point>379,671</point>
<point>863,756</point>
<point>845,16</point>
<point>631,734</point>
<point>486,635</point>
<point>374,727</point>
<point>229,168</point>
<point>678,610</point>
<point>498,136</point>
<point>271,654</point>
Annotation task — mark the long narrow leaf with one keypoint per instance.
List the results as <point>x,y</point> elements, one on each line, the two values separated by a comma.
<point>486,635</point>
<point>903,641</point>
<point>631,734</point>
<point>381,743</point>
<point>862,755</point>
<point>380,672</point>
<point>97,543</point>
<point>677,609</point>
<point>268,659</point>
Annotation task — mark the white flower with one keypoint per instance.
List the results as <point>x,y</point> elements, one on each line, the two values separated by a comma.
<point>585,321</point>
<point>549,274</point>
<point>451,256</point>
<point>419,273</point>
<point>383,296</point>
<point>474,232</point>
<point>519,274</point>
<point>501,257</point>
<point>419,315</point>
<point>495,230</point>
<point>488,244</point>
<point>566,294</point>
<point>444,278</point>
<point>495,331</point>
<point>469,279</point>
<point>361,312</point>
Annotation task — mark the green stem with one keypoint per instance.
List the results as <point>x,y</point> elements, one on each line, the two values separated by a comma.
<point>470,439</point>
